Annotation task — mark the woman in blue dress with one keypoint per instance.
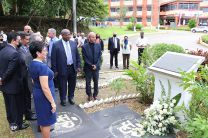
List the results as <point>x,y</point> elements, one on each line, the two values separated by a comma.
<point>43,89</point>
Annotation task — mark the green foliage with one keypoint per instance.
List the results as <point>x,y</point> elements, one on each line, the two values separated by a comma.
<point>151,54</point>
<point>198,127</point>
<point>197,85</point>
<point>143,81</point>
<point>53,8</point>
<point>192,23</point>
<point>117,85</point>
<point>122,12</point>
<point>130,26</point>
<point>205,38</point>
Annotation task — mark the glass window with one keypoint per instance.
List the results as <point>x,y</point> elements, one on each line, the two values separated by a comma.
<point>114,0</point>
<point>204,9</point>
<point>126,19</point>
<point>139,8</point>
<point>130,8</point>
<point>149,7</point>
<point>148,19</point>
<point>139,19</point>
<point>114,9</point>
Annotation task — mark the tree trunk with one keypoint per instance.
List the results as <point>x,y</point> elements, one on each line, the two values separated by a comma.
<point>1,9</point>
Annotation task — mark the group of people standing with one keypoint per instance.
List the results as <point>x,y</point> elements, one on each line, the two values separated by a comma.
<point>32,65</point>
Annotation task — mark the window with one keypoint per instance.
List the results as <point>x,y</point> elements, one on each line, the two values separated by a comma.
<point>139,8</point>
<point>114,0</point>
<point>126,19</point>
<point>130,8</point>
<point>148,19</point>
<point>192,6</point>
<point>114,9</point>
<point>204,9</point>
<point>149,8</point>
<point>139,19</point>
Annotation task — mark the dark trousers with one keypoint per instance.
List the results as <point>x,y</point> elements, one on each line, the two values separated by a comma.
<point>126,61</point>
<point>114,53</point>
<point>140,51</point>
<point>14,110</point>
<point>70,77</point>
<point>90,74</point>
<point>27,97</point>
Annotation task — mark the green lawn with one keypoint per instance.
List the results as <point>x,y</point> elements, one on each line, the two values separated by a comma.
<point>106,32</point>
<point>4,126</point>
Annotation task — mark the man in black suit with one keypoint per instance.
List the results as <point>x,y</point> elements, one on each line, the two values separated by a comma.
<point>65,61</point>
<point>91,53</point>
<point>11,82</point>
<point>24,54</point>
<point>114,48</point>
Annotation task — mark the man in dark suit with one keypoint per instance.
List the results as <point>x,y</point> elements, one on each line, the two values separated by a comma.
<point>91,53</point>
<point>24,54</point>
<point>11,82</point>
<point>65,61</point>
<point>114,48</point>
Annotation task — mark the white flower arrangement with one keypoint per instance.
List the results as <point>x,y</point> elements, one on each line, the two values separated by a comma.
<point>159,118</point>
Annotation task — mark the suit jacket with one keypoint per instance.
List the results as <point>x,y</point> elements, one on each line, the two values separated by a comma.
<point>111,44</point>
<point>88,56</point>
<point>59,58</point>
<point>10,70</point>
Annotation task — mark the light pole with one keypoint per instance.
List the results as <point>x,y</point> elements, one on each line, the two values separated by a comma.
<point>74,16</point>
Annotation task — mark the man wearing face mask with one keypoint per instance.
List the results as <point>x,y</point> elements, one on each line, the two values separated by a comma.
<point>114,49</point>
<point>65,61</point>
<point>126,50</point>
<point>11,82</point>
<point>141,44</point>
<point>2,42</point>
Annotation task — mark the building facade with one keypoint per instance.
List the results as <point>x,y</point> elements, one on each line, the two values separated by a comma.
<point>155,12</point>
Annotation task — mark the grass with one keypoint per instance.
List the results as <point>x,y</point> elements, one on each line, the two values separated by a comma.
<point>4,126</point>
<point>106,32</point>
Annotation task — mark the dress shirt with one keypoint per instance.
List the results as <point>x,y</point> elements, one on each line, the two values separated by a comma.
<point>68,52</point>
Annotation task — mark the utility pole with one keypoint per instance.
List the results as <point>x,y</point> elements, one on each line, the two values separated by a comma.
<point>74,16</point>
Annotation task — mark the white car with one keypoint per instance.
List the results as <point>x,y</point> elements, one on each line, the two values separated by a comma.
<point>200,29</point>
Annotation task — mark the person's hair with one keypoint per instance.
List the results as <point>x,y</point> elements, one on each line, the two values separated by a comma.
<point>23,35</point>
<point>11,36</point>
<point>36,46</point>
<point>36,37</point>
<point>125,36</point>
<point>52,30</point>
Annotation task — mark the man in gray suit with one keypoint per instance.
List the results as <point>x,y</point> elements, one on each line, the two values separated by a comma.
<point>27,87</point>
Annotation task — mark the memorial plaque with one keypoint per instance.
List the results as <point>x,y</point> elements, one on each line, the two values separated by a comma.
<point>177,62</point>
<point>73,122</point>
<point>119,121</point>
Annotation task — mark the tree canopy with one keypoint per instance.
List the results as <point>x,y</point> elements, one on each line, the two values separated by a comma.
<point>53,8</point>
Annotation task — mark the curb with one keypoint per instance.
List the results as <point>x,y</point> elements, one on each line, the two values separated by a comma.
<point>202,43</point>
<point>108,100</point>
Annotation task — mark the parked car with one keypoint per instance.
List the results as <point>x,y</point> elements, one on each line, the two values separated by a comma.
<point>200,29</point>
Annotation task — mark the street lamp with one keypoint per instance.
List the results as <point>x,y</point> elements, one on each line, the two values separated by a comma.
<point>74,16</point>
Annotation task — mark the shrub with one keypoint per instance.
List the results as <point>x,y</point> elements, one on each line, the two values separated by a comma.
<point>143,81</point>
<point>139,26</point>
<point>130,26</point>
<point>192,23</point>
<point>151,54</point>
<point>200,52</point>
<point>205,38</point>
<point>197,114</point>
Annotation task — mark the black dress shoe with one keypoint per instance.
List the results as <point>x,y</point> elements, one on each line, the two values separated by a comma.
<point>32,117</point>
<point>23,126</point>
<point>63,103</point>
<point>71,101</point>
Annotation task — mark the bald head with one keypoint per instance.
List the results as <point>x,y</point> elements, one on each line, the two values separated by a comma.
<point>92,37</point>
<point>27,29</point>
<point>65,34</point>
